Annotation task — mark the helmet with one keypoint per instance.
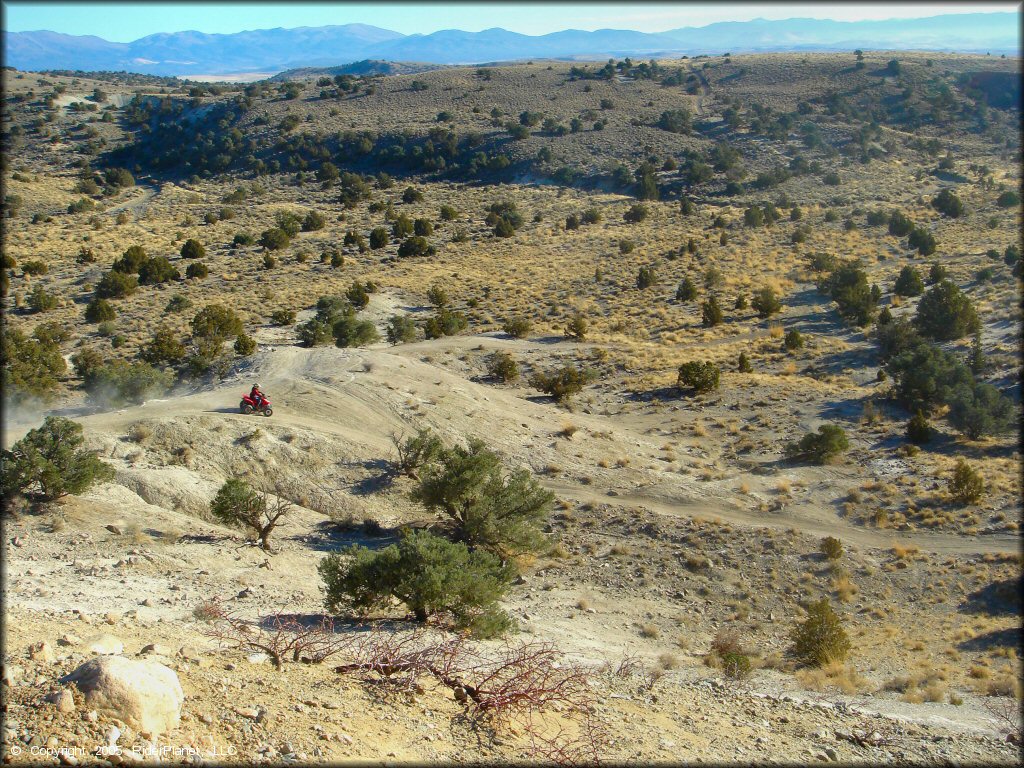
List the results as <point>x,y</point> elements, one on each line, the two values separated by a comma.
<point>255,386</point>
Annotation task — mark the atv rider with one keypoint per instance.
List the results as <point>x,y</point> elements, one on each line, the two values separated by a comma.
<point>256,395</point>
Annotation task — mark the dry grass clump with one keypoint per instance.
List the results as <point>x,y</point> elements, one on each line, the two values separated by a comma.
<point>835,675</point>
<point>650,631</point>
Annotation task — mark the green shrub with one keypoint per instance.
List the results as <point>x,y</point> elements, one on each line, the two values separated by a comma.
<point>765,302</point>
<point>966,486</point>
<point>793,340</point>
<point>820,639</point>
<point>686,291</point>
<point>245,345</point>
<point>700,377</point>
<point>313,222</point>
<point>646,277</point>
<point>576,328</point>
<point>1008,199</point>
<point>437,296</point>
<point>736,665</point>
<point>517,327</point>
<point>157,270</point>
<point>216,322</point>
<point>178,303</point>
<point>274,239</point>
<point>936,273</point>
<point>98,310</point>
<point>401,330</point>
<point>49,462</point>
<point>357,295</point>
<point>348,331</point>
<point>563,383</point>
<point>489,509</point>
<point>242,238</point>
<point>819,447</point>
<point>282,317</point>
<point>444,323</point>
<point>832,548</point>
<point>909,282</point>
<point>116,285</point>
<point>899,224</point>
<point>502,366</point>
<point>416,246</point>
<point>980,409</point>
<point>945,313</point>
<point>848,287</point>
<point>425,572</point>
<point>449,213</point>
<point>41,300</point>
<point>416,452</point>
<point>710,312</point>
<point>948,204</point>
<point>238,505</point>
<point>193,249</point>
<point>924,376</point>
<point>919,430</point>
<point>636,213</point>
<point>32,366</point>
<point>131,260</point>
<point>163,348</point>
<point>923,241</point>
<point>743,364</point>
<point>423,227</point>
<point>378,238</point>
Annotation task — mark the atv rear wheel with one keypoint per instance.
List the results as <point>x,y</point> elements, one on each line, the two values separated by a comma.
<point>245,408</point>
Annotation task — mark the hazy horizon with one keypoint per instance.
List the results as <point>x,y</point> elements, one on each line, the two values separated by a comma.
<point>134,21</point>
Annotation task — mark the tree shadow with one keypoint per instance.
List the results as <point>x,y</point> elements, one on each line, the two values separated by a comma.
<point>331,536</point>
<point>383,478</point>
<point>1000,598</point>
<point>660,394</point>
<point>997,638</point>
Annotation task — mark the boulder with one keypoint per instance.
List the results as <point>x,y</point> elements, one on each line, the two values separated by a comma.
<point>105,645</point>
<point>144,694</point>
<point>64,701</point>
<point>41,651</point>
<point>12,674</point>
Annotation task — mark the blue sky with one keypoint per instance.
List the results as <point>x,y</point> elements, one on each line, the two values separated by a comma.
<point>123,22</point>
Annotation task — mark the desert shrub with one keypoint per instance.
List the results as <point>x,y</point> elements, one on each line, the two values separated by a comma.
<point>131,260</point>
<point>348,331</point>
<point>909,282</point>
<point>820,638</point>
<point>34,267</point>
<point>31,365</point>
<point>245,345</point>
<point>563,383</point>
<point>980,409</point>
<point>119,382</point>
<point>819,447</point>
<point>423,227</point>
<point>41,300</point>
<point>924,376</point>
<point>416,452</point>
<point>923,241</point>
<point>848,287</point>
<point>428,574</point>
<point>736,665</point>
<point>163,348</point>
<point>449,213</point>
<point>98,310</point>
<point>832,548</point>
<point>282,317</point>
<point>197,271</point>
<point>242,238</point>
<point>119,177</point>
<point>676,121</point>
<point>274,239</point>
<point>288,222</point>
<point>793,340</point>
<point>437,296</point>
<point>700,377</point>
<point>313,222</point>
<point>1008,199</point>
<point>636,213</point>
<point>401,330</point>
<point>49,462</point>
<point>193,249</point>
<point>238,505</point>
<point>116,285</point>
<point>502,366</point>
<point>178,303</point>
<point>686,291</point>
<point>357,295</point>
<point>936,273</point>
<point>710,312</point>
<point>743,364</point>
<point>216,322</point>
<point>444,323</point>
<point>378,237</point>
<point>572,221</point>
<point>899,224</point>
<point>765,302</point>
<point>945,312</point>
<point>412,195</point>
<point>416,246</point>
<point>517,327</point>
<point>576,328</point>
<point>877,218</point>
<point>646,277</point>
<point>489,509</point>
<point>966,485</point>
<point>919,430</point>
<point>948,204</point>
<point>157,270</point>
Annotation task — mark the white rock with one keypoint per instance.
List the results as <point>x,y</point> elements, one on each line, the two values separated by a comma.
<point>63,699</point>
<point>105,645</point>
<point>144,694</point>
<point>12,674</point>
<point>41,651</point>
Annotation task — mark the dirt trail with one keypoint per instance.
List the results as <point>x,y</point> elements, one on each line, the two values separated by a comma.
<point>364,396</point>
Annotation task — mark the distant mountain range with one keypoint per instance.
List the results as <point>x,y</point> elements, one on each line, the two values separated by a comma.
<point>274,50</point>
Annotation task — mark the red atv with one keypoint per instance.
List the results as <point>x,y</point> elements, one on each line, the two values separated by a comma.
<point>248,405</point>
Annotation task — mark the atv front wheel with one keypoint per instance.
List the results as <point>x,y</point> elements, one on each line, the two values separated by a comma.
<point>268,411</point>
